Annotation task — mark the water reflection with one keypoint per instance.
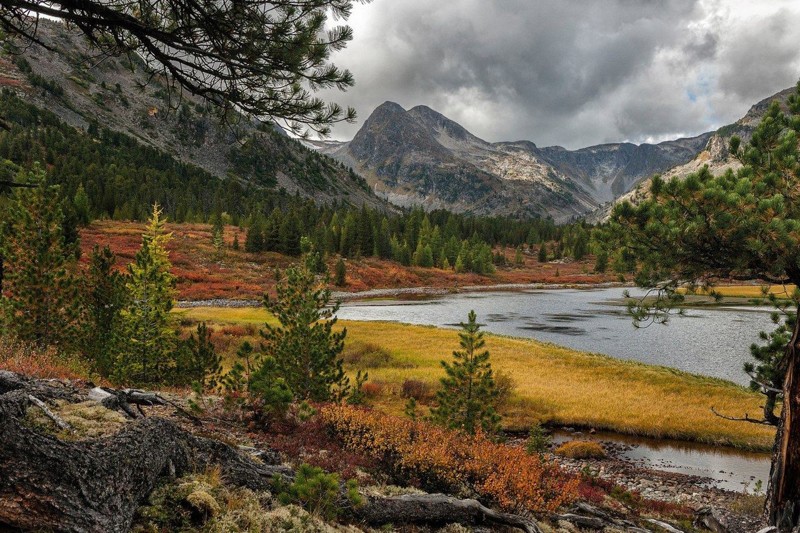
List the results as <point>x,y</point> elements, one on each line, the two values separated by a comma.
<point>725,467</point>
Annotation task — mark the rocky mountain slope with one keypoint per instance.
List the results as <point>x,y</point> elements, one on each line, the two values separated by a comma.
<point>88,91</point>
<point>715,155</point>
<point>419,156</point>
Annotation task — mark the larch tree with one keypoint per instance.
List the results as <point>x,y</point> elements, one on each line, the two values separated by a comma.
<point>40,295</point>
<point>264,59</point>
<point>740,225</point>
<point>468,395</point>
<point>149,356</point>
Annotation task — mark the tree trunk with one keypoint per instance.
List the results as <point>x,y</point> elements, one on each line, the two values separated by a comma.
<point>783,494</point>
<point>97,485</point>
<point>769,407</point>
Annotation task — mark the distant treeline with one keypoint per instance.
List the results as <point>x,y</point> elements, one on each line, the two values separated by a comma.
<point>105,174</point>
<point>438,238</point>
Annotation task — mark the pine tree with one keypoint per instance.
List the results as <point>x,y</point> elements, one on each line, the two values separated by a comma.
<point>218,242</point>
<point>468,395</point>
<point>767,372</point>
<point>341,273</point>
<point>105,298</point>
<point>741,224</point>
<point>581,247</point>
<point>601,261</point>
<point>306,350</point>
<point>519,259</point>
<point>254,241</point>
<point>218,236</point>
<point>150,353</point>
<point>198,362</point>
<point>542,257</point>
<point>82,206</point>
<point>40,300</point>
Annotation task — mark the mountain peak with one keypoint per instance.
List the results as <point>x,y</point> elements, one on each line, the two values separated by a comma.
<point>447,131</point>
<point>389,107</point>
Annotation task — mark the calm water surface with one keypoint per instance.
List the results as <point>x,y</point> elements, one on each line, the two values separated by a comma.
<point>726,468</point>
<point>709,341</point>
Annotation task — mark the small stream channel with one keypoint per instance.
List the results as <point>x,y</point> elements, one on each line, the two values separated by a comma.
<point>711,341</point>
<point>727,468</point>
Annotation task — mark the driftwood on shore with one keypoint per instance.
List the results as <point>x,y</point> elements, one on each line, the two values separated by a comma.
<point>47,483</point>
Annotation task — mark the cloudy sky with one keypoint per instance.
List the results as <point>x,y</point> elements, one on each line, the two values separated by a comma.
<point>573,73</point>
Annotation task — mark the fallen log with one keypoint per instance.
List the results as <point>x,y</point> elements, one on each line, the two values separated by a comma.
<point>437,510</point>
<point>97,485</point>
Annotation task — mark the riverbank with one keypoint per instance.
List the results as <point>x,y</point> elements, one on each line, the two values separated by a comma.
<point>552,385</point>
<point>737,511</point>
<point>408,293</point>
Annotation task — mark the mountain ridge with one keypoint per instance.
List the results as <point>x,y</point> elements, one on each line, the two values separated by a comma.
<point>421,157</point>
<point>715,155</point>
<point>116,93</point>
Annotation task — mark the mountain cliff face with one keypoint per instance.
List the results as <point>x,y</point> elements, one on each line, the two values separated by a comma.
<point>715,154</point>
<point>419,156</point>
<point>87,91</point>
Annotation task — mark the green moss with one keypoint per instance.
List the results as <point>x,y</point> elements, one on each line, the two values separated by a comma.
<point>88,420</point>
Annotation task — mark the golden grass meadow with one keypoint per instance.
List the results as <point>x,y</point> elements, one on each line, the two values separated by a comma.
<point>553,385</point>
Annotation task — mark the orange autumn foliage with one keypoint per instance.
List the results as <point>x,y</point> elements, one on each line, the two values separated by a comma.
<point>44,363</point>
<point>504,474</point>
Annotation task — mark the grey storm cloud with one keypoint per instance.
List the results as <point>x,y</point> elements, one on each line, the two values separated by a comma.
<point>572,73</point>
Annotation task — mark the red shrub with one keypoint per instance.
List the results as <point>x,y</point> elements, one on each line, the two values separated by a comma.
<point>419,390</point>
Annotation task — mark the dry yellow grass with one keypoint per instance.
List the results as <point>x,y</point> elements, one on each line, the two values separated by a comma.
<point>751,291</point>
<point>557,385</point>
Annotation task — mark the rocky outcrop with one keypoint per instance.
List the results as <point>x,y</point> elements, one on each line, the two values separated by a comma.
<point>714,154</point>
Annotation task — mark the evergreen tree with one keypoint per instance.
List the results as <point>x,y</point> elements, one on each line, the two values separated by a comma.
<point>468,395</point>
<point>272,232</point>
<point>82,207</point>
<point>306,350</point>
<point>460,266</point>
<point>767,372</point>
<point>341,273</point>
<point>383,243</point>
<point>289,236</point>
<point>542,257</point>
<point>423,256</point>
<point>198,362</point>
<point>40,299</point>
<point>150,353</point>
<point>312,257</point>
<point>105,298</point>
<point>581,247</point>
<point>218,239</point>
<point>601,261</point>
<point>519,259</point>
<point>279,51</point>
<point>742,224</point>
<point>254,240</point>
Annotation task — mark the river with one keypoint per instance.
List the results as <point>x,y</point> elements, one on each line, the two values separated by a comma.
<point>712,341</point>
